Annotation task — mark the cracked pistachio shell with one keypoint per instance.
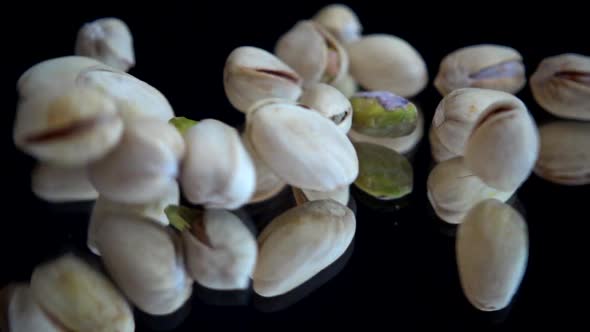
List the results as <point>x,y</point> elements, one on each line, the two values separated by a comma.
<point>303,195</point>
<point>383,173</point>
<point>564,156</point>
<point>22,312</point>
<point>268,184</point>
<point>561,85</point>
<point>300,243</point>
<point>453,190</point>
<point>302,147</point>
<point>69,129</point>
<point>481,66</point>
<point>135,98</point>
<point>218,171</point>
<point>386,62</point>
<point>313,52</point>
<point>79,297</point>
<point>153,211</point>
<point>330,103</point>
<point>141,168</point>
<point>62,184</point>
<point>347,86</point>
<point>146,261</point>
<point>220,250</point>
<point>383,114</point>
<point>252,74</point>
<point>492,253</point>
<point>403,144</point>
<point>107,40</point>
<point>341,21</point>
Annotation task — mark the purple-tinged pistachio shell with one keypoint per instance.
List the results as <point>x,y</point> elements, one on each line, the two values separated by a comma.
<point>383,114</point>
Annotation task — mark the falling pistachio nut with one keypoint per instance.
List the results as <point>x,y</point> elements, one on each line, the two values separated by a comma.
<point>330,103</point>
<point>383,114</point>
<point>341,21</point>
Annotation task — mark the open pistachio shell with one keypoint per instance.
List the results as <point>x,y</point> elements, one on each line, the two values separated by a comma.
<point>313,52</point>
<point>107,40</point>
<point>79,297</point>
<point>564,156</point>
<point>385,62</point>
<point>146,261</point>
<point>22,313</point>
<point>383,114</point>
<point>481,66</point>
<point>302,147</point>
<point>383,173</point>
<point>492,254</point>
<point>268,184</point>
<point>217,172</point>
<point>453,190</point>
<point>62,184</point>
<point>141,168</point>
<point>300,243</point>
<point>252,74</point>
<point>303,195</point>
<point>330,103</point>
<point>561,85</point>
<point>341,21</point>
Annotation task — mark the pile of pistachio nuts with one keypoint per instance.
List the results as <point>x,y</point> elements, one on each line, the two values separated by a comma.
<point>326,109</point>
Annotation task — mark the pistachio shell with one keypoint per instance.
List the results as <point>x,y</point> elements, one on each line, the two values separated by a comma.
<point>403,144</point>
<point>313,52</point>
<point>564,156</point>
<point>561,85</point>
<point>453,190</point>
<point>302,147</point>
<point>218,172</point>
<point>385,62</point>
<point>23,314</point>
<point>383,173</point>
<point>153,211</point>
<point>146,261</point>
<point>302,195</point>
<point>300,243</point>
<point>62,184</point>
<point>341,21</point>
<point>252,74</point>
<point>79,297</point>
<point>383,114</point>
<point>492,253</point>
<point>347,86</point>
<point>481,66</point>
<point>330,103</point>
<point>69,129</point>
<point>141,168</point>
<point>223,253</point>
<point>268,184</point>
<point>107,40</point>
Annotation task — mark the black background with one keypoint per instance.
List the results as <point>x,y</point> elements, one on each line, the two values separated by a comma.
<point>402,274</point>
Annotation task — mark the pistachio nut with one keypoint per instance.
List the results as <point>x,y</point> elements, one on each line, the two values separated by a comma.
<point>154,211</point>
<point>79,297</point>
<point>386,62</point>
<point>303,195</point>
<point>22,313</point>
<point>330,103</point>
<point>564,156</point>
<point>347,86</point>
<point>220,250</point>
<point>182,124</point>
<point>300,243</point>
<point>135,98</point>
<point>485,66</point>
<point>402,144</point>
<point>313,52</point>
<point>72,129</point>
<point>268,184</point>
<point>302,147</point>
<point>561,85</point>
<point>107,40</point>
<point>492,254</point>
<point>145,260</point>
<point>383,173</point>
<point>453,190</point>
<point>341,21</point>
<point>383,114</point>
<point>62,184</point>
<point>251,74</point>
<point>141,168</point>
<point>217,172</point>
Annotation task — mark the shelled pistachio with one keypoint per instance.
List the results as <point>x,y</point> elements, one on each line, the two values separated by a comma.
<point>383,114</point>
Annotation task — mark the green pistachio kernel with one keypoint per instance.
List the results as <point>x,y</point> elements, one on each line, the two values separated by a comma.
<point>383,114</point>
<point>182,124</point>
<point>181,217</point>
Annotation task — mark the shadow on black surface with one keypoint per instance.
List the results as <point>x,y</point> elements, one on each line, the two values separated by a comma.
<point>378,204</point>
<point>238,297</point>
<point>163,323</point>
